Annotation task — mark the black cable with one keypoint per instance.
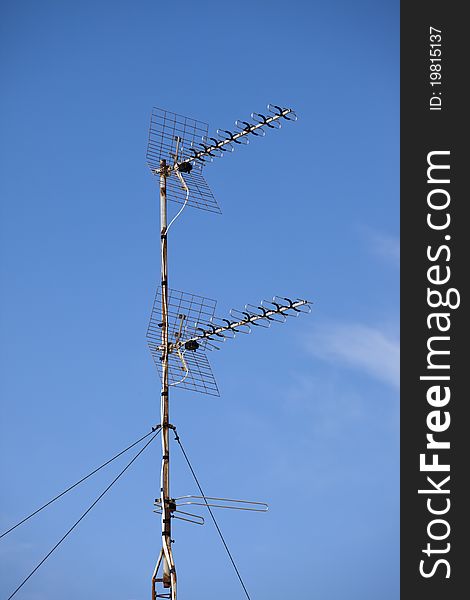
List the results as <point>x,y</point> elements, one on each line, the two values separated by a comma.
<point>77,483</point>
<point>212,515</point>
<point>83,515</point>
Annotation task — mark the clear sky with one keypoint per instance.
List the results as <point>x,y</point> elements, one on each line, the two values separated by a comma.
<point>308,415</point>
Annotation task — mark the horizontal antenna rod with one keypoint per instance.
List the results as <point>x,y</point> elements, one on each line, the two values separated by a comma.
<point>234,137</point>
<point>247,129</point>
<point>250,318</point>
<point>246,504</point>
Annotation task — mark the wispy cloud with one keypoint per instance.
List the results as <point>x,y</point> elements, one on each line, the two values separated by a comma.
<point>359,346</point>
<point>384,245</point>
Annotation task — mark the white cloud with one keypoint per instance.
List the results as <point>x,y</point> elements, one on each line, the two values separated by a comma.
<point>362,347</point>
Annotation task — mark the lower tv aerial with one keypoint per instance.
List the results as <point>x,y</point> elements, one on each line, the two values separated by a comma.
<point>183,327</point>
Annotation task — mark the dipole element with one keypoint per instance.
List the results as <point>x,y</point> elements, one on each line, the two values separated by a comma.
<point>166,555</point>
<point>252,315</point>
<point>227,138</point>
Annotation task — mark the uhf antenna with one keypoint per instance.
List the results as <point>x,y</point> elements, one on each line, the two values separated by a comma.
<point>183,326</point>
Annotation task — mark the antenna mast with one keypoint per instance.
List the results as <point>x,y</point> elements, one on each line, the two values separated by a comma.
<point>182,326</point>
<point>169,573</point>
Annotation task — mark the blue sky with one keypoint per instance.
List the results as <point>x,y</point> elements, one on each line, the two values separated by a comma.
<point>308,415</point>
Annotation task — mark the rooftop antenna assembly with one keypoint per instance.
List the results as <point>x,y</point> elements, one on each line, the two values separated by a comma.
<point>182,326</point>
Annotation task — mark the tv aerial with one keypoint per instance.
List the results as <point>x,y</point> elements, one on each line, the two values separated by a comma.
<point>183,327</point>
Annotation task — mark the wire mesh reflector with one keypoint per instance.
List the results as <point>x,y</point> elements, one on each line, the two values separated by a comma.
<point>165,127</point>
<point>200,195</point>
<point>185,313</point>
<point>171,134</point>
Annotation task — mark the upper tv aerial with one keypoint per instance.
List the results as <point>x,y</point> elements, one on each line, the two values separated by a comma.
<point>183,143</point>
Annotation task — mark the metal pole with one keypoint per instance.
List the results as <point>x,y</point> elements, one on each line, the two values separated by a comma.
<point>169,573</point>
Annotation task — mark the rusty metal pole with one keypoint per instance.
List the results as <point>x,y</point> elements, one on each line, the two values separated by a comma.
<point>169,573</point>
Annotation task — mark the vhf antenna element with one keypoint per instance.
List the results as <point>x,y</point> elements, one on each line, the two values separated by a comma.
<point>182,326</point>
